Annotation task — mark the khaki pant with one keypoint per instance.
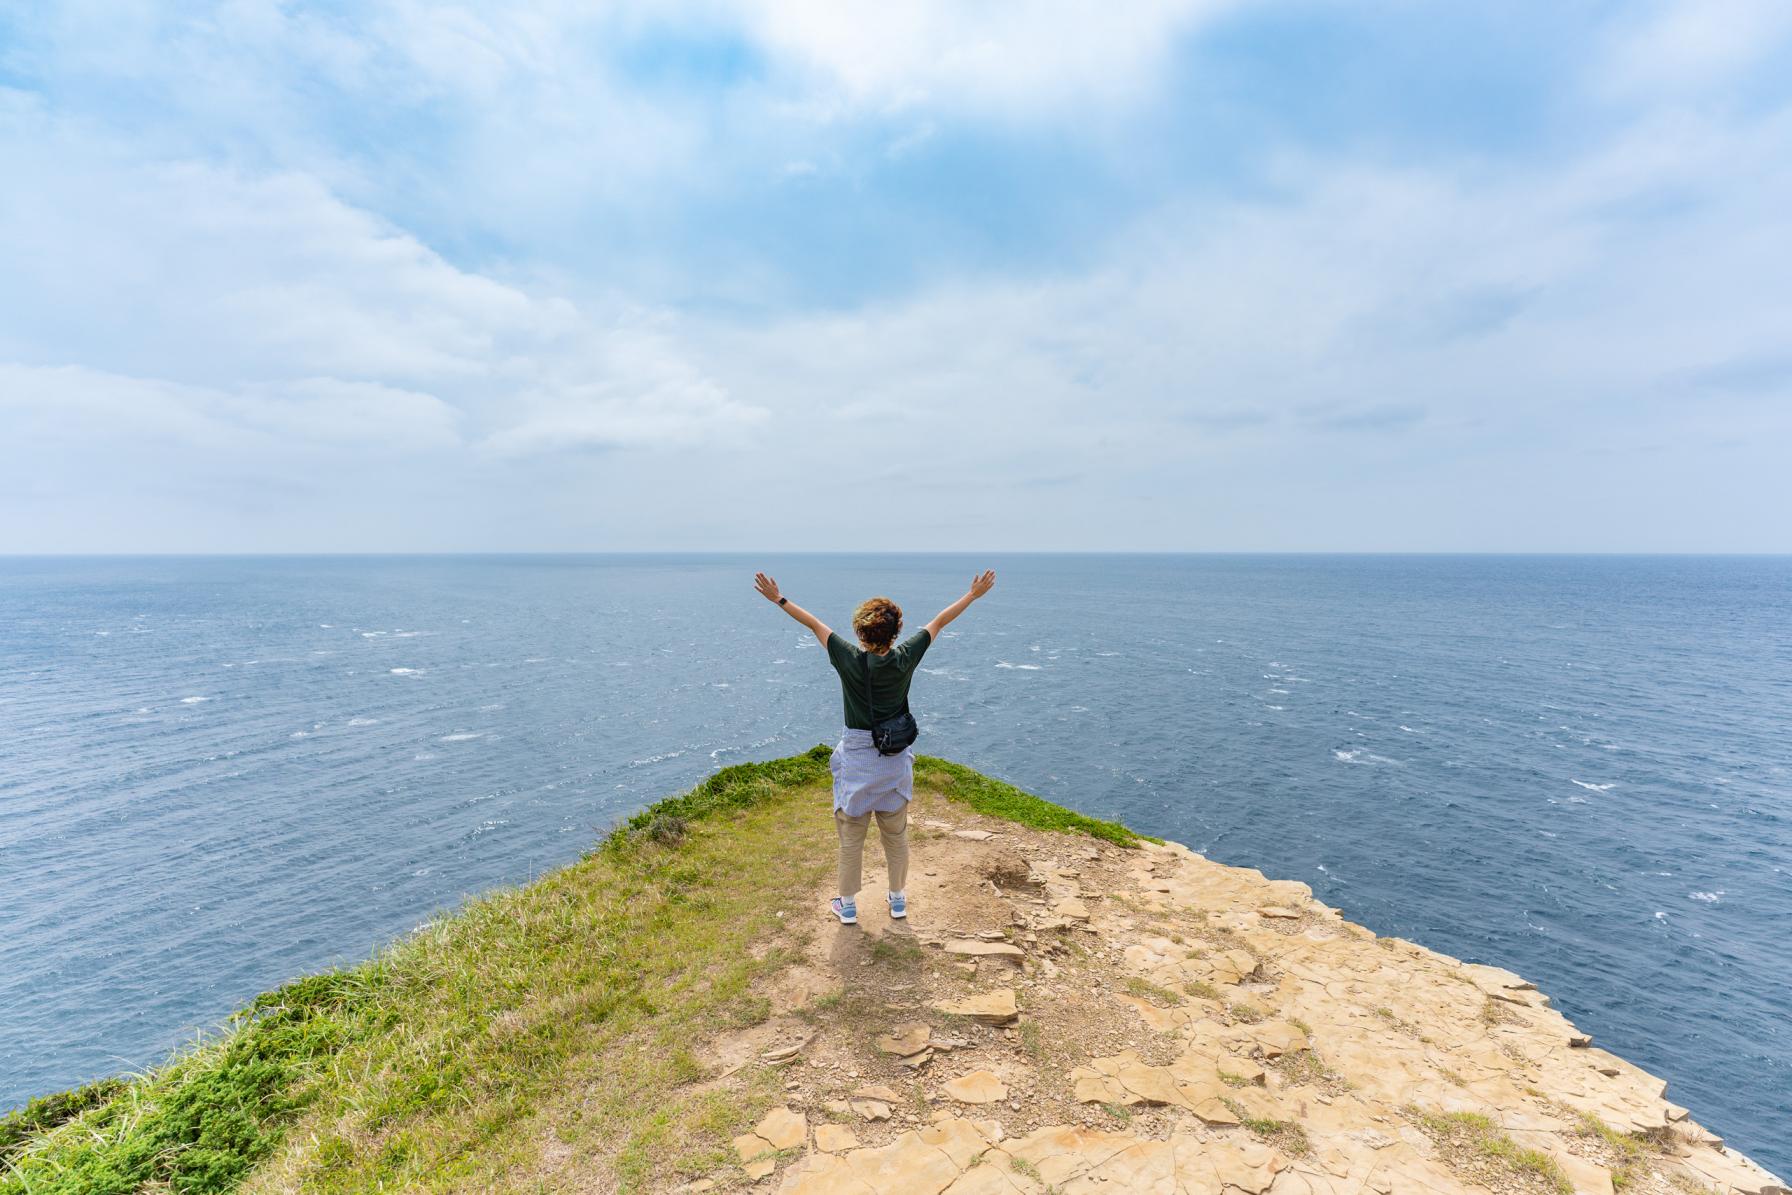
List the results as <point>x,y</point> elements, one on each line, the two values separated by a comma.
<point>892,828</point>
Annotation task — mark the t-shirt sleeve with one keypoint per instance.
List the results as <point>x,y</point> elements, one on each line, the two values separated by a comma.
<point>840,653</point>
<point>913,648</point>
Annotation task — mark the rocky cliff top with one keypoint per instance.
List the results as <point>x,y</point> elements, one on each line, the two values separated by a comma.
<point>1063,1015</point>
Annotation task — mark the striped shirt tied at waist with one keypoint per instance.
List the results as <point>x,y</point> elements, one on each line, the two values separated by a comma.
<point>868,782</point>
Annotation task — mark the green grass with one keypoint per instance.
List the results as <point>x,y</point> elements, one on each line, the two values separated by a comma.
<point>1480,1140</point>
<point>1285,1135</point>
<point>47,1112</point>
<point>896,949</point>
<point>551,1016</point>
<point>999,799</point>
<point>1144,989</point>
<point>1630,1155</point>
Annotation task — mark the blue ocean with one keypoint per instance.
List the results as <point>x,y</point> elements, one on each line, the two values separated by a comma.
<point>217,774</point>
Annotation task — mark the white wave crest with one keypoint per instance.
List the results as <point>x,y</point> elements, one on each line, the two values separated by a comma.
<point>193,700</point>
<point>1596,788</point>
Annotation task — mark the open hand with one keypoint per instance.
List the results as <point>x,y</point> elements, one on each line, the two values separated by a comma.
<point>768,588</point>
<point>982,583</point>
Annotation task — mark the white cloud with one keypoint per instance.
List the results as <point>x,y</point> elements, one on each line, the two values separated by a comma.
<point>1673,47</point>
<point>68,408</point>
<point>1533,352</point>
<point>213,281</point>
<point>1011,58</point>
<point>217,309</point>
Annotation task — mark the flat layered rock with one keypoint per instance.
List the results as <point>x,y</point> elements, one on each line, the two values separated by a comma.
<point>978,1087</point>
<point>833,1138</point>
<point>780,1129</point>
<point>995,1007</point>
<point>981,948</point>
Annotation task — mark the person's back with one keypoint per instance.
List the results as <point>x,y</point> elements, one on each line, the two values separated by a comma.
<point>888,673</point>
<point>875,675</point>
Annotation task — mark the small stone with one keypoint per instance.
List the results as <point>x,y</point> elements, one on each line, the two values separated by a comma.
<point>871,1109</point>
<point>973,835</point>
<point>978,1087</point>
<point>1277,912</point>
<point>761,1168</point>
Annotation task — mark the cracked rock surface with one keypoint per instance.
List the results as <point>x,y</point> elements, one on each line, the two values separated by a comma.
<point>1111,1020</point>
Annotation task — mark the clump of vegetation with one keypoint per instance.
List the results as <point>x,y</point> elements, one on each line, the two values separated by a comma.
<point>893,948</point>
<point>49,1111</point>
<point>1285,1135</point>
<point>667,829</point>
<point>1201,990</point>
<point>1476,1143</point>
<point>1630,1156</point>
<point>1144,989</point>
<point>1496,1012</point>
<point>1030,1040</point>
<point>1249,1014</point>
<point>1300,1066</point>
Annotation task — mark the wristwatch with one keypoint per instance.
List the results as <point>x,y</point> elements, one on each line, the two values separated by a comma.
<point>783,601</point>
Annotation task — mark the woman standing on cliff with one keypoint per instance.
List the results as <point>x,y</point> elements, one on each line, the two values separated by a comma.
<point>870,779</point>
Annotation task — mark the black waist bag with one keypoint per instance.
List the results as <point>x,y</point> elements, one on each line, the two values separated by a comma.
<point>892,736</point>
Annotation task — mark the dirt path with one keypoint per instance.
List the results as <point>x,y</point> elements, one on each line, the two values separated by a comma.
<point>1060,1014</point>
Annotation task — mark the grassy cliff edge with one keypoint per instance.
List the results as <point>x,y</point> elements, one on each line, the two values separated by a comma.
<point>421,1066</point>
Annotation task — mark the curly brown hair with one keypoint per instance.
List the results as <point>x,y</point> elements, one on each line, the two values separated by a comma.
<point>876,622</point>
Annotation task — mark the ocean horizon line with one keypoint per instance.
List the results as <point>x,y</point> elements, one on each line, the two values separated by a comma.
<point>761,553</point>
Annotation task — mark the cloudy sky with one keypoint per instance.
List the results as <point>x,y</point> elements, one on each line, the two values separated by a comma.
<point>364,275</point>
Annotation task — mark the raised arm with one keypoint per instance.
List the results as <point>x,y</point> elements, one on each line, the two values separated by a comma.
<point>768,589</point>
<point>981,584</point>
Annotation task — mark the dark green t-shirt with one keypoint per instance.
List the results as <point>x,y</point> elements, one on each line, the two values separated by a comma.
<point>889,676</point>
